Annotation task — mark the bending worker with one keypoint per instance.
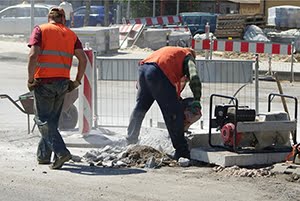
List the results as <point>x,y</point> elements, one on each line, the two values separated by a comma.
<point>52,47</point>
<point>160,77</point>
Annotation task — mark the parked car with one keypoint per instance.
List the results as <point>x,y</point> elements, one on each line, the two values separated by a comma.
<point>196,21</point>
<point>96,18</point>
<point>17,20</point>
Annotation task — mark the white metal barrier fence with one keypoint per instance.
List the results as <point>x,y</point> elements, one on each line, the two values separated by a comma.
<point>116,81</point>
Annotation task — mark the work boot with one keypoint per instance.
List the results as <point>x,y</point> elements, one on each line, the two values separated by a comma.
<point>46,161</point>
<point>59,161</point>
<point>43,162</point>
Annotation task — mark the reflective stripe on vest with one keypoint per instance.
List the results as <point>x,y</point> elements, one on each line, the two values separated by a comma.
<point>58,53</point>
<point>55,65</point>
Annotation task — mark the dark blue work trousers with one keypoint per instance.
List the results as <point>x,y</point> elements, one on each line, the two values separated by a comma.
<point>155,86</point>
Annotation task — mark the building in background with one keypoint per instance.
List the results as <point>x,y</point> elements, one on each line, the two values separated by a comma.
<point>266,4</point>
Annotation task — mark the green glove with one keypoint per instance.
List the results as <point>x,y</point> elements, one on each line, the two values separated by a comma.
<point>33,84</point>
<point>73,85</point>
<point>195,107</point>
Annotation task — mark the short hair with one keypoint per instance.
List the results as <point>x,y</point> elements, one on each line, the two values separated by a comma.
<point>56,13</point>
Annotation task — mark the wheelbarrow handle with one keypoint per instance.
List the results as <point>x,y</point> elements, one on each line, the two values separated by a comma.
<point>2,96</point>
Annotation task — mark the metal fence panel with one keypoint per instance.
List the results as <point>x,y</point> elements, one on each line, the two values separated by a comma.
<point>225,71</point>
<point>215,71</point>
<point>117,88</point>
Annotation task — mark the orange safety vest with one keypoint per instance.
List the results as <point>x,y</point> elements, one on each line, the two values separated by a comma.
<point>57,50</point>
<point>170,60</point>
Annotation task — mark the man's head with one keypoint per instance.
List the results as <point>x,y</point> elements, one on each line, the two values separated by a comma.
<point>192,51</point>
<point>57,15</point>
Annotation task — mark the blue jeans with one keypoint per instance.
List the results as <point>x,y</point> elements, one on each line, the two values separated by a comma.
<point>155,86</point>
<point>48,102</point>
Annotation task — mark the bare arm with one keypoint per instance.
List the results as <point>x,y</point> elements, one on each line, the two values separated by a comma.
<point>80,55</point>
<point>33,56</point>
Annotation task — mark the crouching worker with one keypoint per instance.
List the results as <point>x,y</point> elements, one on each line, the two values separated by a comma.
<point>160,76</point>
<point>52,47</point>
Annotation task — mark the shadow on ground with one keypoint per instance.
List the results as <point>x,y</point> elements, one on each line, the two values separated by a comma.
<point>94,170</point>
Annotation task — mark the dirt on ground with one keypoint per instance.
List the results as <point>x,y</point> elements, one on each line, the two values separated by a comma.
<point>85,179</point>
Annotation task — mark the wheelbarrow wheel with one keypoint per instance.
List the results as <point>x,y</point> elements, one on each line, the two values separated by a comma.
<point>68,119</point>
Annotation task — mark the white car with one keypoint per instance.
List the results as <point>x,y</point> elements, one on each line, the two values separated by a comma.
<point>17,20</point>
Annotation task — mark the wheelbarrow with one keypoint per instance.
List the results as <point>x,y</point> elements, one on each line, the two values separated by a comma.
<point>69,115</point>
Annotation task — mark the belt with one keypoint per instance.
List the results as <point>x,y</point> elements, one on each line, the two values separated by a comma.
<point>50,80</point>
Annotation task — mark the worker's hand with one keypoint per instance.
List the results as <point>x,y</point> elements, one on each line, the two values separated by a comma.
<point>31,85</point>
<point>196,107</point>
<point>192,114</point>
<point>73,85</point>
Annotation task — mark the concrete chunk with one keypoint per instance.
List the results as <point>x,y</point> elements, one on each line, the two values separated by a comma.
<point>227,158</point>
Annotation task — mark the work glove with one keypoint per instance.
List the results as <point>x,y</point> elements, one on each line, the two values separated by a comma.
<point>195,107</point>
<point>32,85</point>
<point>192,114</point>
<point>73,85</point>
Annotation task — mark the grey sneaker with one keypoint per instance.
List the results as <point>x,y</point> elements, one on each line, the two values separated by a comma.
<point>131,141</point>
<point>59,161</point>
<point>175,155</point>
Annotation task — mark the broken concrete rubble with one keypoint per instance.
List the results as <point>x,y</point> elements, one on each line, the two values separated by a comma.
<point>244,172</point>
<point>132,156</point>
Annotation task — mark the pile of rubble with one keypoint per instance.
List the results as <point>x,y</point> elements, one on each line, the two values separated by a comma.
<point>132,156</point>
<point>244,172</point>
<point>143,156</point>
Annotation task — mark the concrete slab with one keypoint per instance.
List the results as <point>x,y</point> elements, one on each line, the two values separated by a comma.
<point>227,158</point>
<point>200,138</point>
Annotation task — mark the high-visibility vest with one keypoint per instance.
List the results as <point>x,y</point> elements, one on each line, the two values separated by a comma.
<point>171,61</point>
<point>57,50</point>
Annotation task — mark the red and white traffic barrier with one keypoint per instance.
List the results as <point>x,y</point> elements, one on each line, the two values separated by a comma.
<point>131,30</point>
<point>242,46</point>
<point>86,95</point>
<point>160,20</point>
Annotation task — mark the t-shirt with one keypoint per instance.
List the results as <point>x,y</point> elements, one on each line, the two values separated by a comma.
<point>67,8</point>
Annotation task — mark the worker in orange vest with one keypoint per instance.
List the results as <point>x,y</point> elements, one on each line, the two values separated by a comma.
<point>162,77</point>
<point>52,46</point>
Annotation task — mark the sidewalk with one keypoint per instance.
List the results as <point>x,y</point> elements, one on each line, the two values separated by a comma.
<point>14,50</point>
